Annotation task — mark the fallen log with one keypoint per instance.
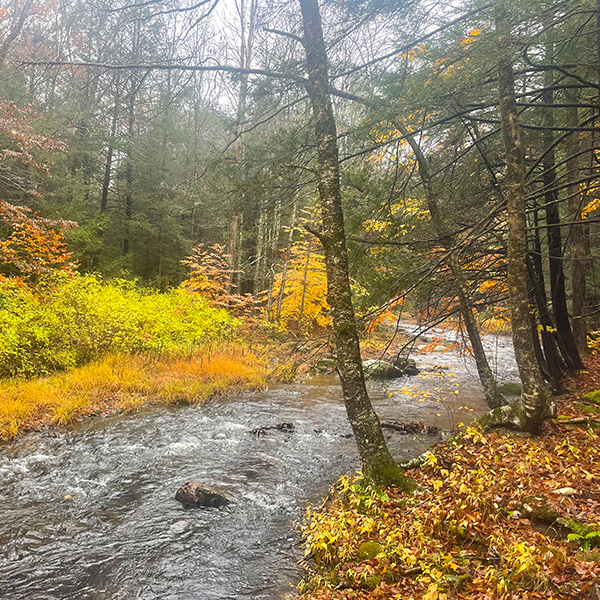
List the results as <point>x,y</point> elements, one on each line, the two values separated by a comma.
<point>406,428</point>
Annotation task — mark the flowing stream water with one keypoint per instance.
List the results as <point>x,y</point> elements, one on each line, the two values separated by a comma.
<point>89,512</point>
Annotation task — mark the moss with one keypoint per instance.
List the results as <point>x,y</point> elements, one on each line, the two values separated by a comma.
<point>510,389</point>
<point>370,583</point>
<point>510,416</point>
<point>589,556</point>
<point>389,475</point>
<point>587,408</point>
<point>546,514</point>
<point>368,550</point>
<point>458,581</point>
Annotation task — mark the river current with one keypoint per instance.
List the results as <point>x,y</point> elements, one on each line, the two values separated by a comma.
<point>89,512</point>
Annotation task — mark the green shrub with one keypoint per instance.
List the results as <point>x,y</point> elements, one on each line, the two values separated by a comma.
<point>70,320</point>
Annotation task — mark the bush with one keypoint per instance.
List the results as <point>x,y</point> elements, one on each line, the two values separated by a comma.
<point>66,321</point>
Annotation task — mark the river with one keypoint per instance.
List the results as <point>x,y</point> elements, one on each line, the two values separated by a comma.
<point>88,512</point>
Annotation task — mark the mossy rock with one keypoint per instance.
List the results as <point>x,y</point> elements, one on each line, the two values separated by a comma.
<point>458,581</point>
<point>381,369</point>
<point>546,514</point>
<point>510,389</point>
<point>370,583</point>
<point>538,510</point>
<point>368,550</point>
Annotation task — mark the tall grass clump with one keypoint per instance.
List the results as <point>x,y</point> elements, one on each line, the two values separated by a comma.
<point>124,383</point>
<point>67,321</point>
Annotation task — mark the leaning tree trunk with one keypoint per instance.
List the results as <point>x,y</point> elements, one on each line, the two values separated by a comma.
<point>493,396</point>
<point>530,413</point>
<point>378,465</point>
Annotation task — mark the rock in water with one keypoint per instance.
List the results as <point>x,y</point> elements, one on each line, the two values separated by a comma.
<point>406,365</point>
<point>380,369</point>
<point>193,495</point>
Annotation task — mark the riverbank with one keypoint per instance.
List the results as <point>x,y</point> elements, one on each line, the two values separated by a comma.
<point>496,516</point>
<point>125,383</point>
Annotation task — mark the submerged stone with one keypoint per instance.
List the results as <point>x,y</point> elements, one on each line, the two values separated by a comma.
<point>193,494</point>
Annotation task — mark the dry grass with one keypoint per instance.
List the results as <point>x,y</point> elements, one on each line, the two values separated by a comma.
<point>124,383</point>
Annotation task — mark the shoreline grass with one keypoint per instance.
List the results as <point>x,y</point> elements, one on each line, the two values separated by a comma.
<point>125,383</point>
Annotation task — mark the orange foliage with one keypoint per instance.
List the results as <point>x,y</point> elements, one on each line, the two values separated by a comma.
<point>124,383</point>
<point>31,245</point>
<point>384,315</point>
<point>210,275</point>
<point>19,144</point>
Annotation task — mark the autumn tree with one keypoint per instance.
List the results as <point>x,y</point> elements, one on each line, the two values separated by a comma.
<point>378,465</point>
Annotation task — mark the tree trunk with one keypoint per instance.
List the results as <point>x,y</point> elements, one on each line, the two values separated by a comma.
<point>261,249</point>
<point>273,251</point>
<point>129,167</point>
<point>492,395</point>
<point>109,157</point>
<point>247,30</point>
<point>549,361</point>
<point>135,85</point>
<point>378,465</point>
<point>555,248</point>
<point>576,238</point>
<point>286,262</point>
<point>304,284</point>
<point>534,396</point>
<point>234,253</point>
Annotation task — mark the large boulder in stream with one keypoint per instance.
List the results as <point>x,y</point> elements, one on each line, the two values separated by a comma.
<point>193,494</point>
<point>381,369</point>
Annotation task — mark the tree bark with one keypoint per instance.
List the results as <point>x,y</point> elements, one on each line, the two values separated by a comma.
<point>247,30</point>
<point>576,239</point>
<point>378,465</point>
<point>261,249</point>
<point>534,406</point>
<point>304,285</point>
<point>555,247</point>
<point>129,166</point>
<point>109,155</point>
<point>492,395</point>
<point>286,262</point>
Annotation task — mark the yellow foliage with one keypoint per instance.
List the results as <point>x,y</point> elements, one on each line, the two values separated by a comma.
<point>462,535</point>
<point>590,207</point>
<point>304,305</point>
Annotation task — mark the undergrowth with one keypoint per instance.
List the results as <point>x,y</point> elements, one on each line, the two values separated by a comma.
<point>66,320</point>
<point>123,383</point>
<point>495,517</point>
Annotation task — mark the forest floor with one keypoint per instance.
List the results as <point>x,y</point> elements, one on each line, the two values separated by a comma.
<point>497,515</point>
<point>125,383</point>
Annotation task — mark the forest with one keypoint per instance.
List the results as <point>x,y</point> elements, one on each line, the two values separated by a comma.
<point>364,232</point>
